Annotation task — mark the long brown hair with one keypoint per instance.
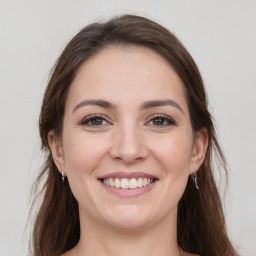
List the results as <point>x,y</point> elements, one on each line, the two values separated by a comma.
<point>201,222</point>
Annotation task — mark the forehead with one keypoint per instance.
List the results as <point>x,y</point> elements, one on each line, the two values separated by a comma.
<point>120,73</point>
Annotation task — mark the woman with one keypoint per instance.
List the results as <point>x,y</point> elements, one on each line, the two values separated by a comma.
<point>129,143</point>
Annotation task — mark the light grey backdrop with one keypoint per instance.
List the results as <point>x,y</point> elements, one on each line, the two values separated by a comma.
<point>221,36</point>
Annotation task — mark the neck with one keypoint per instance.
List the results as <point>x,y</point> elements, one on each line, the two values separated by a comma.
<point>154,240</point>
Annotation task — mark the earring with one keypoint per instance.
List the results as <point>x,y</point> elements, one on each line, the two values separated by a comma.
<point>194,177</point>
<point>62,177</point>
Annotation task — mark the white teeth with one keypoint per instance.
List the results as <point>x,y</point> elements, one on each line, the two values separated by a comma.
<point>117,183</point>
<point>112,182</point>
<point>128,183</point>
<point>133,183</point>
<point>124,183</point>
<point>140,183</point>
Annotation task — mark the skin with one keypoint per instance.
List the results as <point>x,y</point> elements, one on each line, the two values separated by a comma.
<point>127,138</point>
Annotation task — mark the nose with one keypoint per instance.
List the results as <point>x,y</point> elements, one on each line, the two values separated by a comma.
<point>128,145</point>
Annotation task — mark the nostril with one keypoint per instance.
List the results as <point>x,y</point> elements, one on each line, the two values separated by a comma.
<point>128,148</point>
<point>128,159</point>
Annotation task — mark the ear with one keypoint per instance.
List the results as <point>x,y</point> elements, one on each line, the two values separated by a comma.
<point>199,150</point>
<point>56,146</point>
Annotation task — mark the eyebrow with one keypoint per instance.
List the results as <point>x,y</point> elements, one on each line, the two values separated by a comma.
<point>145,105</point>
<point>160,103</point>
<point>100,103</point>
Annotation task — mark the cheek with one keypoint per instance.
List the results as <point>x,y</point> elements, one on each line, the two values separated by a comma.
<point>174,154</point>
<point>82,153</point>
<point>82,158</point>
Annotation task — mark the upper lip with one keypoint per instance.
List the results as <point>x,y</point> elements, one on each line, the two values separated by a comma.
<point>127,175</point>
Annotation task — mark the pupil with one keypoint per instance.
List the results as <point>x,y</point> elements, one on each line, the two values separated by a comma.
<point>97,121</point>
<point>159,121</point>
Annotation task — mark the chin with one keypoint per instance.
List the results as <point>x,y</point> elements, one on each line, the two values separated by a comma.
<point>129,224</point>
<point>131,217</point>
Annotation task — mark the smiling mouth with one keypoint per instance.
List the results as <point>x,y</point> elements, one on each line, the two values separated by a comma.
<point>125,183</point>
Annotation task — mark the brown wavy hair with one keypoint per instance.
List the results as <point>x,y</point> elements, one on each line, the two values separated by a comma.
<point>201,223</point>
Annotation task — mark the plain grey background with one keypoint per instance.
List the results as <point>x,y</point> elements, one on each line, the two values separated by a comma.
<point>220,35</point>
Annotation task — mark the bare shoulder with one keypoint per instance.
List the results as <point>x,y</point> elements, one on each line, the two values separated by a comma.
<point>66,254</point>
<point>69,253</point>
<point>191,254</point>
<point>72,253</point>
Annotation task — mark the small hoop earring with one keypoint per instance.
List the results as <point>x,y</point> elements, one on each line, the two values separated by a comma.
<point>194,177</point>
<point>62,177</point>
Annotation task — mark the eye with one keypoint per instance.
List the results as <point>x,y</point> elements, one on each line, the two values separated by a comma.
<point>161,120</point>
<point>95,120</point>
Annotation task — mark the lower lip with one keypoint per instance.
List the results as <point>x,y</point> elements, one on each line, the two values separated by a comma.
<point>127,192</point>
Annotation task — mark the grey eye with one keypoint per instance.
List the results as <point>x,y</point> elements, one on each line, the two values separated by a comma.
<point>94,121</point>
<point>161,121</point>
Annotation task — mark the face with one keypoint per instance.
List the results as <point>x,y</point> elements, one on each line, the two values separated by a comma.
<point>127,145</point>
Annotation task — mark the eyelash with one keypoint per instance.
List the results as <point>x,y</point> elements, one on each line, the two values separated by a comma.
<point>164,118</point>
<point>167,121</point>
<point>86,121</point>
